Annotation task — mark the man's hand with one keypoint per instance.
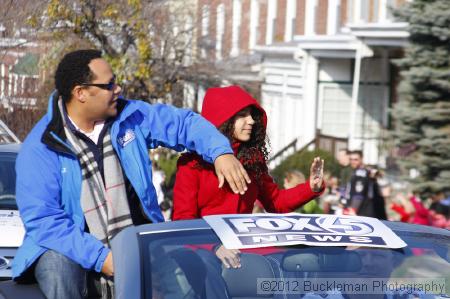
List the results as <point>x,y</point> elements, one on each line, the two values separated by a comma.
<point>229,168</point>
<point>108,268</point>
<point>229,257</point>
<point>316,175</point>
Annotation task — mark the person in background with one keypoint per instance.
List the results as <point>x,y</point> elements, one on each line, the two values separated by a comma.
<point>166,209</point>
<point>437,199</point>
<point>421,213</point>
<point>332,198</point>
<point>403,207</point>
<point>440,215</point>
<point>345,173</point>
<point>158,178</point>
<point>437,215</point>
<point>364,196</point>
<point>446,201</point>
<point>293,178</point>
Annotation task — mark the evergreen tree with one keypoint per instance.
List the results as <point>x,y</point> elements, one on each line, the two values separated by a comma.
<point>422,115</point>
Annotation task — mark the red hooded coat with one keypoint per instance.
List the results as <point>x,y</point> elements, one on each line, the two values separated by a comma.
<point>196,193</point>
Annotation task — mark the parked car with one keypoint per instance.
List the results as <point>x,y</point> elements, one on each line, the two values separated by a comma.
<point>176,260</point>
<point>11,227</point>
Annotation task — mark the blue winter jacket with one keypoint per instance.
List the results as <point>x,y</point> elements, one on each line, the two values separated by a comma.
<point>49,176</point>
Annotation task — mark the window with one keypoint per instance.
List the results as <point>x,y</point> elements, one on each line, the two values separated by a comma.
<point>2,80</point>
<point>254,22</point>
<point>310,17</point>
<point>205,20</point>
<point>183,264</point>
<point>333,17</point>
<point>290,20</point>
<point>271,18</point>
<point>220,25</point>
<point>237,11</point>
<point>205,29</point>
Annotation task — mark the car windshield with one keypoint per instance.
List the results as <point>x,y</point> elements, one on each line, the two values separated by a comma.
<point>182,264</point>
<point>7,181</point>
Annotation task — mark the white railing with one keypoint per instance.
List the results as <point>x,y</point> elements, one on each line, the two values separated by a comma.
<point>6,135</point>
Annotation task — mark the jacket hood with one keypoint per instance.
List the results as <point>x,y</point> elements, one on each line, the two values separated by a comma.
<point>221,103</point>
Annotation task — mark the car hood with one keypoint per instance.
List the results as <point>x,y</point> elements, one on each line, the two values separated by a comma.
<point>12,228</point>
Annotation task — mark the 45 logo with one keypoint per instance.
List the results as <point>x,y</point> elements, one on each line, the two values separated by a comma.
<point>343,225</point>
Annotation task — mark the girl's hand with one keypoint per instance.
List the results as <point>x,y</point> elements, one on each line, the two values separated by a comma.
<point>229,257</point>
<point>316,174</point>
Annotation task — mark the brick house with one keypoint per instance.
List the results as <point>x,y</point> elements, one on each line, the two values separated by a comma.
<point>19,73</point>
<point>318,65</point>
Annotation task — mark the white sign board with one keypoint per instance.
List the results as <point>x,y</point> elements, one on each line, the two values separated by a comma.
<point>263,230</point>
<point>12,229</point>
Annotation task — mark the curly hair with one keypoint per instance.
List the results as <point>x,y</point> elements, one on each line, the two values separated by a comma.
<point>254,153</point>
<point>74,70</point>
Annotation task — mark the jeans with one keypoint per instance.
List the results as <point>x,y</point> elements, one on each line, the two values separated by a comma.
<point>59,277</point>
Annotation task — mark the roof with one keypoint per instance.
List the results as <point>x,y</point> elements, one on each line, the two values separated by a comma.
<point>27,65</point>
<point>345,43</point>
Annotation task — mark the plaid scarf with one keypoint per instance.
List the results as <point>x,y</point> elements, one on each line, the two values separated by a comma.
<point>105,205</point>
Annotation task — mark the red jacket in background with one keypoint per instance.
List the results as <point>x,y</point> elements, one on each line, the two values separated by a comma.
<point>404,216</point>
<point>422,214</point>
<point>196,192</point>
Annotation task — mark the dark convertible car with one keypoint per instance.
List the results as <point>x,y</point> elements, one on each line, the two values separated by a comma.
<point>11,226</point>
<point>176,260</point>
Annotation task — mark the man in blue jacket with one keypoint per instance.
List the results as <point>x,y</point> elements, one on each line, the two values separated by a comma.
<point>84,174</point>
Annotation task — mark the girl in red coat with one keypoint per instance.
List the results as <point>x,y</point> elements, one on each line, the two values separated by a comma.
<point>239,117</point>
<point>199,192</point>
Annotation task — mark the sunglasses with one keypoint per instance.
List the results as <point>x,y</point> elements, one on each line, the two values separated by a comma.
<point>108,86</point>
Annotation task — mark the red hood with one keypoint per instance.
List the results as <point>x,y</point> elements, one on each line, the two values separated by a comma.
<point>221,103</point>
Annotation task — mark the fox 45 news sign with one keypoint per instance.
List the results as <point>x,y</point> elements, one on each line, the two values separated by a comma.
<point>263,230</point>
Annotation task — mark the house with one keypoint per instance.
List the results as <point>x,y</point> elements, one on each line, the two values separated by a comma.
<point>19,73</point>
<point>320,66</point>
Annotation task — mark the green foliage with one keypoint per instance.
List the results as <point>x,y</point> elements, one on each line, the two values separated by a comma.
<point>138,38</point>
<point>301,161</point>
<point>168,164</point>
<point>422,115</point>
